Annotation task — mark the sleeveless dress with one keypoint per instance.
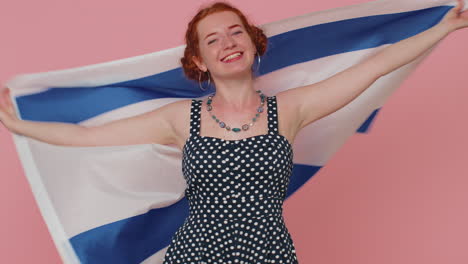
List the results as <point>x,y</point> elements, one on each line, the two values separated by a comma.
<point>235,190</point>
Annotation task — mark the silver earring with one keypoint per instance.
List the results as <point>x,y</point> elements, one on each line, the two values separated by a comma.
<point>258,62</point>
<point>199,81</point>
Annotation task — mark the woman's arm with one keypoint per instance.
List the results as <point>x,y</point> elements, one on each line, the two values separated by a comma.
<point>50,132</point>
<point>147,128</point>
<point>320,99</point>
<point>407,50</point>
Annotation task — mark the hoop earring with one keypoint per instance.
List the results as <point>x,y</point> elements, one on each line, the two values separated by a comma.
<point>258,63</point>
<point>199,81</point>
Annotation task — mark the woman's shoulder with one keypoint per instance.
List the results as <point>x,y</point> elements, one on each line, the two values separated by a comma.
<point>183,104</point>
<point>179,116</point>
<point>177,108</point>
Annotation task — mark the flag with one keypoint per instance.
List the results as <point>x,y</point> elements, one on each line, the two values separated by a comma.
<point>123,204</point>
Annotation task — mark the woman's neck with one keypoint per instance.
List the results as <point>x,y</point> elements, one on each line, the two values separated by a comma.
<point>235,95</point>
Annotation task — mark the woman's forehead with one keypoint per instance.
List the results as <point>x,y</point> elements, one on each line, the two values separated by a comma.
<point>217,21</point>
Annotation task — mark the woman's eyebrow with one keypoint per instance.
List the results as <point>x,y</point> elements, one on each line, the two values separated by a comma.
<point>232,26</point>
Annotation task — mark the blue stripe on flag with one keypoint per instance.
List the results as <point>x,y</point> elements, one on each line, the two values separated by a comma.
<point>366,125</point>
<point>131,240</point>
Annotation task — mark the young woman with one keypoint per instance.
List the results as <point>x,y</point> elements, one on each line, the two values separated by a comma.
<point>237,169</point>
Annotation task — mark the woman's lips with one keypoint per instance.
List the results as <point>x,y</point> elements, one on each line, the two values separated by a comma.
<point>234,59</point>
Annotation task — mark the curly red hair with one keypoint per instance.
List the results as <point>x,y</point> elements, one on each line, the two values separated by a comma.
<point>191,70</point>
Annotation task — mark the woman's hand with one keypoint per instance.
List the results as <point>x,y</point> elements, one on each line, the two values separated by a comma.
<point>455,19</point>
<point>7,110</point>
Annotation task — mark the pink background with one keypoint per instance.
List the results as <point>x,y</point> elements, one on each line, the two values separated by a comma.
<point>396,195</point>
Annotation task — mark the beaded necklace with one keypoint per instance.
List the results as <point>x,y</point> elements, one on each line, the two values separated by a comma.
<point>245,127</point>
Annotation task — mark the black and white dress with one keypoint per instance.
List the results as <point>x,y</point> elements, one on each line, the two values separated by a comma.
<point>235,190</point>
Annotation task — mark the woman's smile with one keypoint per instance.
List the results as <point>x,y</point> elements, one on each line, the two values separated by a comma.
<point>233,57</point>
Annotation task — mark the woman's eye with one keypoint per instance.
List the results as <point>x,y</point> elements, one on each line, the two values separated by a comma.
<point>235,33</point>
<point>211,41</point>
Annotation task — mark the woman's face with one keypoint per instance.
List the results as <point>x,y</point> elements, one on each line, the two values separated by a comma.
<point>220,35</point>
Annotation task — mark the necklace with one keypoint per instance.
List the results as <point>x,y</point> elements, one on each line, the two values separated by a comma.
<point>245,127</point>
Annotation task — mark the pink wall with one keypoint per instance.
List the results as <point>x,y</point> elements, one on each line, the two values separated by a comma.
<point>397,195</point>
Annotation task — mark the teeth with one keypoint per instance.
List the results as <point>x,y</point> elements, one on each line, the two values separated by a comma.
<point>232,56</point>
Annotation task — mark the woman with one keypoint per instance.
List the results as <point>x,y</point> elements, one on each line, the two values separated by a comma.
<point>226,224</point>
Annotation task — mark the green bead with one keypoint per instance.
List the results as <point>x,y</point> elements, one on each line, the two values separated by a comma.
<point>257,115</point>
<point>217,120</point>
<point>209,101</point>
<point>235,129</point>
<point>254,119</point>
<point>214,117</point>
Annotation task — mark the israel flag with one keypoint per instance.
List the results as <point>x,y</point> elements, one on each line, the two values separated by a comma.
<point>123,204</point>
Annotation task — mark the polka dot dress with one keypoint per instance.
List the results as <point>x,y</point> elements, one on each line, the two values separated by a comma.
<point>235,190</point>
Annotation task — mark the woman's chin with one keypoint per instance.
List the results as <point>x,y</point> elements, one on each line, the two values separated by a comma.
<point>241,73</point>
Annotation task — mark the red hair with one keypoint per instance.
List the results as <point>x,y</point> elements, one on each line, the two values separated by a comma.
<point>191,70</point>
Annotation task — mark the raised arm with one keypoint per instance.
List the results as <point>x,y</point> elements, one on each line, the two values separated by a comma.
<point>317,100</point>
<point>152,127</point>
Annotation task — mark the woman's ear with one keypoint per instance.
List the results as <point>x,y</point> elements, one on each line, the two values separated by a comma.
<point>199,64</point>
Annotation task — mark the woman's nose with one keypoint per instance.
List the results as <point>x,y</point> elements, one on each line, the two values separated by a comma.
<point>229,42</point>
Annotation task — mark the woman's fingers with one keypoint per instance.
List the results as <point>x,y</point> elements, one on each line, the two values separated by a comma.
<point>8,98</point>
<point>3,107</point>
<point>459,6</point>
<point>5,94</point>
<point>455,19</point>
<point>6,105</point>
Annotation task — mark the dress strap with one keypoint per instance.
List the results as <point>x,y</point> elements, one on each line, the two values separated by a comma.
<point>272,115</point>
<point>195,116</point>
